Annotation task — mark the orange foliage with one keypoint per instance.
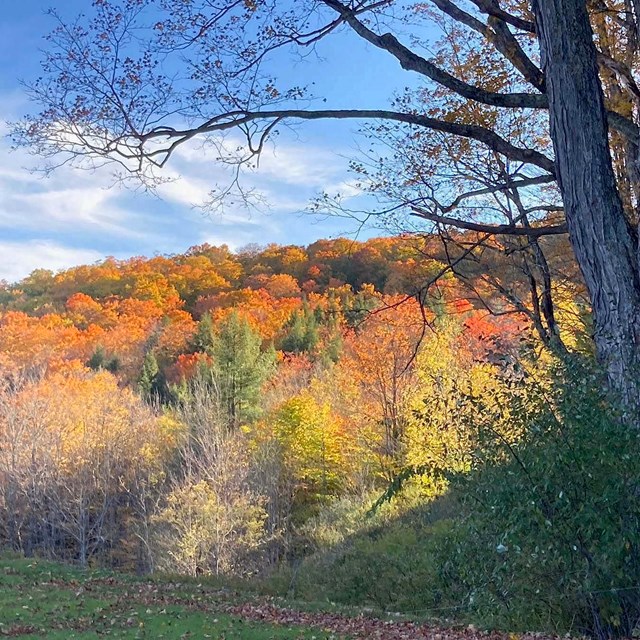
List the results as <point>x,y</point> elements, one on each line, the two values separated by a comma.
<point>265,314</point>
<point>35,343</point>
<point>82,418</point>
<point>177,330</point>
<point>378,367</point>
<point>186,366</point>
<point>485,335</point>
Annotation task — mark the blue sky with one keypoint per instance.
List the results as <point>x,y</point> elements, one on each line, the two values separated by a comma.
<point>76,217</point>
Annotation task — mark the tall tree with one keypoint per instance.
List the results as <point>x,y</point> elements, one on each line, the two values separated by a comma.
<point>111,92</point>
<point>240,368</point>
<point>150,382</point>
<point>602,239</point>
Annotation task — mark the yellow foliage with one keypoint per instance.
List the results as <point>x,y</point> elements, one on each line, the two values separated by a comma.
<point>85,418</point>
<point>203,531</point>
<point>313,441</point>
<point>443,432</point>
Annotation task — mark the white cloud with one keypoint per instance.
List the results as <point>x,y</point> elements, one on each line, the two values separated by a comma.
<point>184,190</point>
<point>21,258</point>
<point>301,164</point>
<point>297,163</point>
<point>41,217</point>
<point>233,238</point>
<point>345,190</point>
<point>93,210</point>
<point>69,200</point>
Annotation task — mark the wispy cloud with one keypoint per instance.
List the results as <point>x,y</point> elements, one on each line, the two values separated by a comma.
<point>21,258</point>
<point>300,164</point>
<point>78,216</point>
<point>69,199</point>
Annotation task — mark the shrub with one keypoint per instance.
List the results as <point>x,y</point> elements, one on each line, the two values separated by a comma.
<point>551,534</point>
<point>541,533</point>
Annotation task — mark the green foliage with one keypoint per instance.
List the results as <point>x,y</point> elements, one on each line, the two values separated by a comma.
<point>37,288</point>
<point>100,360</point>
<point>539,530</point>
<point>150,382</point>
<point>240,367</point>
<point>302,332</point>
<point>333,349</point>
<point>204,337</point>
<point>357,307</point>
<point>551,535</point>
<point>385,559</point>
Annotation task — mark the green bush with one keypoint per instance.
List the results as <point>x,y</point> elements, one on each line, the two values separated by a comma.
<point>552,533</point>
<point>387,560</point>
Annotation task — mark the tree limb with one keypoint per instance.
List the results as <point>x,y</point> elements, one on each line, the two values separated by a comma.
<point>413,62</point>
<point>475,132</point>
<point>492,8</point>
<point>525,182</point>
<point>497,32</point>
<point>410,61</point>
<point>492,229</point>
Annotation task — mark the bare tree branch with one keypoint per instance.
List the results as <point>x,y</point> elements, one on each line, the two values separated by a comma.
<point>492,229</point>
<point>497,32</point>
<point>492,8</point>
<point>234,119</point>
<point>413,62</point>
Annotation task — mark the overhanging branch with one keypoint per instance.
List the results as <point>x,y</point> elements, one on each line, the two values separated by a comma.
<point>491,229</point>
<point>474,132</point>
<point>412,62</point>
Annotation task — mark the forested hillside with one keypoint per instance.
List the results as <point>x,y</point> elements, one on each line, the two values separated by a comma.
<point>443,423</point>
<point>126,316</point>
<point>322,419</point>
<point>144,399</point>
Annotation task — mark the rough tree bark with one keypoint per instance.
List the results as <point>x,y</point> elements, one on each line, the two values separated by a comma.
<point>603,242</point>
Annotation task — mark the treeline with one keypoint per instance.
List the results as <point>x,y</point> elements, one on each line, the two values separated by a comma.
<point>113,314</point>
<point>390,265</point>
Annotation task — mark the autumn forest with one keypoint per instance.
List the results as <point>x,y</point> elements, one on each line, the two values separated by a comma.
<point>255,413</point>
<point>432,433</point>
<point>195,412</point>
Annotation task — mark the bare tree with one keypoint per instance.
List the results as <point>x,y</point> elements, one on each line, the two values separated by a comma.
<point>70,474</point>
<point>213,519</point>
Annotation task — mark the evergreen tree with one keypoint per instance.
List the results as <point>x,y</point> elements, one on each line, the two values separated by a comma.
<point>357,307</point>
<point>302,332</point>
<point>150,381</point>
<point>240,367</point>
<point>100,360</point>
<point>333,349</point>
<point>204,338</point>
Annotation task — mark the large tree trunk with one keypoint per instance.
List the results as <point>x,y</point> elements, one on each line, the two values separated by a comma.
<point>599,234</point>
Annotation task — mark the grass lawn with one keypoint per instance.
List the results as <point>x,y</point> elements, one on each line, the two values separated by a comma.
<point>40,599</point>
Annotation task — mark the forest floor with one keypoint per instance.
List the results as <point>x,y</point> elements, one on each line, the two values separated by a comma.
<point>40,599</point>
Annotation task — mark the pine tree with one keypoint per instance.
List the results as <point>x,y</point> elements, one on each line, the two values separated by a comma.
<point>302,332</point>
<point>149,382</point>
<point>100,360</point>
<point>240,367</point>
<point>204,338</point>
